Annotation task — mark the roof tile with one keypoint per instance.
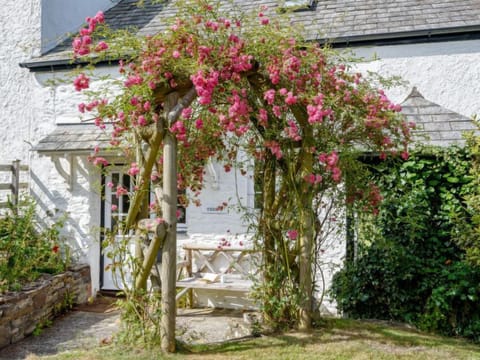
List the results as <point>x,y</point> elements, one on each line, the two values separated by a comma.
<point>334,19</point>
<point>441,126</point>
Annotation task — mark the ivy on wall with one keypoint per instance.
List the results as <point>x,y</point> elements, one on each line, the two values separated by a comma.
<point>410,262</point>
<point>467,231</point>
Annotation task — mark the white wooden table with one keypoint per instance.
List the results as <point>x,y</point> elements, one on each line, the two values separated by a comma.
<point>231,276</point>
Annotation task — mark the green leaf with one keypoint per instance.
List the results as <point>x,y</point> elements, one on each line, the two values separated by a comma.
<point>453,180</point>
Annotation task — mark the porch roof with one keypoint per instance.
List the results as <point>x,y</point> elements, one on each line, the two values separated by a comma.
<point>73,138</point>
<point>436,125</point>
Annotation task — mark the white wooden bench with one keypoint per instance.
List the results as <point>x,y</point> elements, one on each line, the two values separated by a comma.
<point>215,267</point>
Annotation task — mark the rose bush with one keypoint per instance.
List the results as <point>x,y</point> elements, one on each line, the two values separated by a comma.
<point>228,85</point>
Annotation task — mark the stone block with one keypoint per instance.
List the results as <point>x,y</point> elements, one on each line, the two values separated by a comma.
<point>82,295</point>
<point>52,298</point>
<point>30,328</point>
<point>20,322</point>
<point>3,300</point>
<point>5,309</point>
<point>14,334</point>
<point>5,337</point>
<point>58,284</point>
<point>23,307</point>
<point>39,299</point>
<point>17,336</point>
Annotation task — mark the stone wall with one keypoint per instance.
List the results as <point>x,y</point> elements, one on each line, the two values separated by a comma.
<point>21,312</point>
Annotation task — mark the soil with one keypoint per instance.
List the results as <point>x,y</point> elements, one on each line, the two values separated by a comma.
<point>91,325</point>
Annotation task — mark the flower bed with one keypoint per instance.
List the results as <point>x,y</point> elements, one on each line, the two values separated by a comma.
<point>22,312</point>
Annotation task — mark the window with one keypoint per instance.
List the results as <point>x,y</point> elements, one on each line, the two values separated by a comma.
<point>116,213</point>
<point>299,5</point>
<point>182,213</point>
<point>116,207</point>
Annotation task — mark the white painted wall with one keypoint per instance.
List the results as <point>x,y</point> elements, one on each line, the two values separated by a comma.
<point>446,73</point>
<point>19,41</point>
<point>64,100</point>
<point>232,189</point>
<point>81,204</point>
<point>61,17</point>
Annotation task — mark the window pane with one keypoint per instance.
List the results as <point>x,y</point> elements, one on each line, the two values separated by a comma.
<point>121,204</point>
<point>126,198</point>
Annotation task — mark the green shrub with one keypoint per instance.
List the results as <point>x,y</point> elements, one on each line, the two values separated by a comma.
<point>409,266</point>
<point>467,231</point>
<point>27,250</point>
<point>385,283</point>
<point>454,307</point>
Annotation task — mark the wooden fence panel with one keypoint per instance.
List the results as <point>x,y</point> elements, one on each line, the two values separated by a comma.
<point>13,172</point>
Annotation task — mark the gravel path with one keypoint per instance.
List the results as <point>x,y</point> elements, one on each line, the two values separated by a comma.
<point>80,329</point>
<point>75,330</point>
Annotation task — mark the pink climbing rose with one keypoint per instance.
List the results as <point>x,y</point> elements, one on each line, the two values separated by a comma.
<point>81,82</point>
<point>134,169</point>
<point>292,234</point>
<point>121,191</point>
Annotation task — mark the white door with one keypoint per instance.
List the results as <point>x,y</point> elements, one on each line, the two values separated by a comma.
<point>115,211</point>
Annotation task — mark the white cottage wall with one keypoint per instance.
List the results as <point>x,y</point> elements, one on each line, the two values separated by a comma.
<point>447,73</point>
<point>65,99</point>
<point>78,199</point>
<point>209,218</point>
<point>19,39</point>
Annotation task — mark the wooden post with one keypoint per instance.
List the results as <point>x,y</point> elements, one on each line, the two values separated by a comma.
<point>305,264</point>
<point>15,181</point>
<point>143,211</point>
<point>306,237</point>
<point>150,256</point>
<point>189,274</point>
<point>265,224</point>
<point>169,250</point>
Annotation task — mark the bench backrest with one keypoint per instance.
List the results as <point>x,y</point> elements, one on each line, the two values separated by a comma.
<point>232,260</point>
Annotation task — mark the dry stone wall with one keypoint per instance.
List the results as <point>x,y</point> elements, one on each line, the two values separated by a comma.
<point>23,311</point>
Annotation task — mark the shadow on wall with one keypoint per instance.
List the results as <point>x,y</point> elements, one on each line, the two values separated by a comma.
<point>52,206</point>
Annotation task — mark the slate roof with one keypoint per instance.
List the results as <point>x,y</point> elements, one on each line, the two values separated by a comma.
<point>76,138</point>
<point>344,19</point>
<point>435,124</point>
<point>336,20</point>
<point>339,21</point>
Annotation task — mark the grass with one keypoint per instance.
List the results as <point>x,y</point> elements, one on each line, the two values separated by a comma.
<point>336,339</point>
